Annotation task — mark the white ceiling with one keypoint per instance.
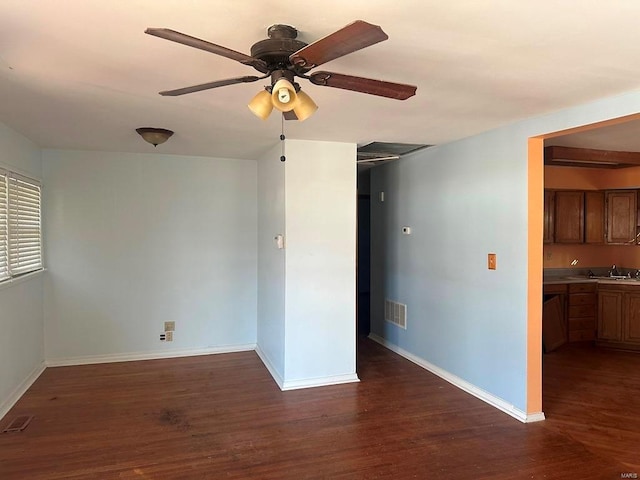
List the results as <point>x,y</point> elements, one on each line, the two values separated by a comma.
<point>82,74</point>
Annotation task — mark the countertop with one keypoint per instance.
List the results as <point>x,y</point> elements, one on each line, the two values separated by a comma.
<point>556,280</point>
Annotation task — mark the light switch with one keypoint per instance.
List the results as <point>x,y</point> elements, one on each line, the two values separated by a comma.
<point>491,261</point>
<point>406,230</point>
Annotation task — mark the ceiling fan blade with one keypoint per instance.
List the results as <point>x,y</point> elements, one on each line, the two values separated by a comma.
<point>290,115</point>
<point>190,41</point>
<point>397,91</point>
<point>206,86</point>
<point>353,37</point>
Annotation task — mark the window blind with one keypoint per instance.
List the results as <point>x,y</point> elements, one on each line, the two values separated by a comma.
<point>4,233</point>
<point>24,225</point>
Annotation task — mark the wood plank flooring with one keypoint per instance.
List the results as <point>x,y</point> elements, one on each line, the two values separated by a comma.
<point>223,417</point>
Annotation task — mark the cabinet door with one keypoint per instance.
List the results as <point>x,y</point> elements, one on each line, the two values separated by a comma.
<point>569,217</point>
<point>631,324</point>
<point>621,216</point>
<point>594,217</point>
<point>549,206</point>
<point>609,315</point>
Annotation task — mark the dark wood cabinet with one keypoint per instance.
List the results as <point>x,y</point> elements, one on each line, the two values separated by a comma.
<point>609,314</point>
<point>594,214</point>
<point>622,214</point>
<point>593,217</point>
<point>569,217</point>
<point>582,313</point>
<point>619,316</point>
<point>631,323</point>
<point>554,319</point>
<point>549,207</point>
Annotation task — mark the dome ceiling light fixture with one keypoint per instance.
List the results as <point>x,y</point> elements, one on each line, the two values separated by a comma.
<point>282,58</point>
<point>155,136</point>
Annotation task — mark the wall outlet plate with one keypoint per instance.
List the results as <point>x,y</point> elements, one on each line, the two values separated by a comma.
<point>169,326</point>
<point>168,336</point>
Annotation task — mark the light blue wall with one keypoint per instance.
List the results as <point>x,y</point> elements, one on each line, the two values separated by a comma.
<point>21,309</point>
<point>271,262</point>
<point>462,201</point>
<point>134,240</point>
<point>306,291</point>
<point>320,179</point>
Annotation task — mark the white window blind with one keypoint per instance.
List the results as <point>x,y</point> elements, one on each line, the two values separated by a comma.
<point>24,225</point>
<point>4,226</point>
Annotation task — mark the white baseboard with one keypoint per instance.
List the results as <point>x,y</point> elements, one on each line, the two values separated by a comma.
<point>272,370</point>
<point>462,384</point>
<point>320,382</point>
<point>13,398</point>
<point>304,383</point>
<point>131,357</point>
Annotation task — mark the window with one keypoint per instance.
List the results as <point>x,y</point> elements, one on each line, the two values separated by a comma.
<point>20,225</point>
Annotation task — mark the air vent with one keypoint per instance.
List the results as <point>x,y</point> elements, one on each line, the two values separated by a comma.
<point>18,424</point>
<point>376,153</point>
<point>395,313</point>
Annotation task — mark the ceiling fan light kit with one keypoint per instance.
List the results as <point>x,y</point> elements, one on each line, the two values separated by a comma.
<point>154,136</point>
<point>261,105</point>
<point>282,58</point>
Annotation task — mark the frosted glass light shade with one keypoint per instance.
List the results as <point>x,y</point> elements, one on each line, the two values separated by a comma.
<point>155,136</point>
<point>284,96</point>
<point>261,105</point>
<point>305,107</point>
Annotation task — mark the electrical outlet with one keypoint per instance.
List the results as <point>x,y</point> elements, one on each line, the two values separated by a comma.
<point>169,326</point>
<point>168,336</point>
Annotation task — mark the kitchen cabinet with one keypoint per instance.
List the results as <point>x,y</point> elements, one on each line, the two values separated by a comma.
<point>549,206</point>
<point>609,314</point>
<point>554,323</point>
<point>622,214</point>
<point>574,217</point>
<point>631,323</point>
<point>594,215</point>
<point>582,312</point>
<point>569,217</point>
<point>619,316</point>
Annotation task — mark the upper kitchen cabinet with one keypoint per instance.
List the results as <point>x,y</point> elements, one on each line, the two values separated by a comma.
<point>549,210</point>
<point>594,217</point>
<point>569,217</point>
<point>621,206</point>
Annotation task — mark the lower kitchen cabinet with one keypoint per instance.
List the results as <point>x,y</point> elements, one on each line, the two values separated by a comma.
<point>619,316</point>
<point>631,323</point>
<point>609,315</point>
<point>581,317</point>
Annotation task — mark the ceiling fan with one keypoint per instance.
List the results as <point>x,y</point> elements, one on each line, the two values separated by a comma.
<point>282,58</point>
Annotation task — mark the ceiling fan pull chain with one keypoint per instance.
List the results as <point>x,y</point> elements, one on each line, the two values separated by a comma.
<point>282,137</point>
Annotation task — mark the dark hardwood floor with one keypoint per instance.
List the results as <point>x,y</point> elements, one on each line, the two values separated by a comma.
<point>223,417</point>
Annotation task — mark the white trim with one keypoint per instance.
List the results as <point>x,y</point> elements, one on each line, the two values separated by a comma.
<point>270,367</point>
<point>305,383</point>
<point>477,392</point>
<point>132,357</point>
<point>320,381</point>
<point>12,281</point>
<point>24,173</point>
<point>534,417</point>
<point>20,390</point>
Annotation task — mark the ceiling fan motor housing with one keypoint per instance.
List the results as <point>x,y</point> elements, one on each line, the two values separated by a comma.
<point>276,49</point>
